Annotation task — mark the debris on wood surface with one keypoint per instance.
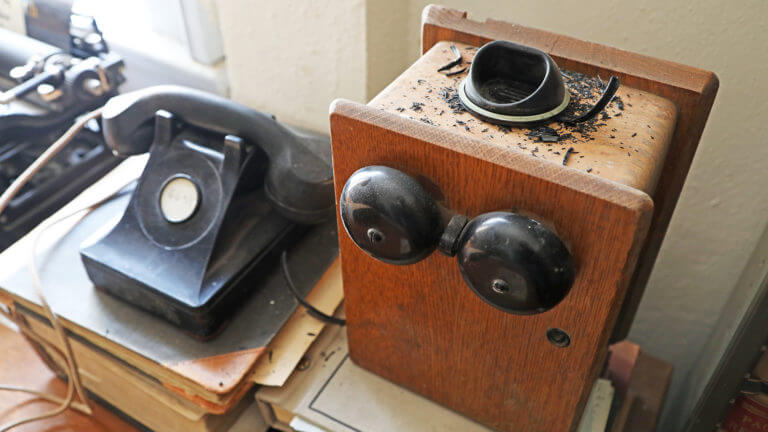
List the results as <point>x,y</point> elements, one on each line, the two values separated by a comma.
<point>456,72</point>
<point>567,155</point>
<point>555,139</point>
<point>455,62</point>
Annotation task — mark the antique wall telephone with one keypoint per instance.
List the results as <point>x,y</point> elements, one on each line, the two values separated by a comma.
<point>225,188</point>
<point>547,192</point>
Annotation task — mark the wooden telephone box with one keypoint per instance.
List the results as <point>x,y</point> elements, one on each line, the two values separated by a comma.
<point>606,192</point>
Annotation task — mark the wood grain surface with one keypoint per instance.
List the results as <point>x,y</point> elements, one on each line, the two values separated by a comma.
<point>692,91</point>
<point>422,327</point>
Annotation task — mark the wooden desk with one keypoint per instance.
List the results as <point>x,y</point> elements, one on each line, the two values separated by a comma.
<point>20,366</point>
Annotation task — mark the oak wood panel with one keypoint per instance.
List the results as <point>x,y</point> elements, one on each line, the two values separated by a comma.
<point>629,148</point>
<point>691,89</point>
<point>422,327</point>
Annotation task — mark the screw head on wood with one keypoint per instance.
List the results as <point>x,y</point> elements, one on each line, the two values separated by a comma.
<point>500,286</point>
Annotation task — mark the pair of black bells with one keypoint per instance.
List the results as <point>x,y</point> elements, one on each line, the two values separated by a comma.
<point>511,262</point>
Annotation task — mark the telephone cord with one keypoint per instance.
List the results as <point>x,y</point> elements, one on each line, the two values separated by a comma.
<point>74,384</point>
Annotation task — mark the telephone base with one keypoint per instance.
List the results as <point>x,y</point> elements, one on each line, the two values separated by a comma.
<point>123,265</point>
<point>201,322</point>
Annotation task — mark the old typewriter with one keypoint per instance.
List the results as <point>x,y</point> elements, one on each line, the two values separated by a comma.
<point>42,90</point>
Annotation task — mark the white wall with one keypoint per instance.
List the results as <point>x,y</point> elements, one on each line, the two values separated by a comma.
<point>752,280</point>
<point>293,57</point>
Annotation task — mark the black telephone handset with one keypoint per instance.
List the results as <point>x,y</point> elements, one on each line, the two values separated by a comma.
<point>299,180</point>
<point>224,191</point>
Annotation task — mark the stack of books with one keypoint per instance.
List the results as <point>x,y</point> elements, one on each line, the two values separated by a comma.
<point>143,367</point>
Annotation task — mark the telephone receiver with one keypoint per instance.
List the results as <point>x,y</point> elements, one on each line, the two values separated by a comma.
<point>299,179</point>
<point>514,263</point>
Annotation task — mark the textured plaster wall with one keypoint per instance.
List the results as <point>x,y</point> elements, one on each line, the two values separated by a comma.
<point>293,57</point>
<point>389,45</point>
<point>752,280</point>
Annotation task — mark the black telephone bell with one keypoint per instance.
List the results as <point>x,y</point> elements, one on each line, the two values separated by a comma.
<point>225,189</point>
<point>510,261</point>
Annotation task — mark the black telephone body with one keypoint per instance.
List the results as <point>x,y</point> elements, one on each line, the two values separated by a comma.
<point>225,190</point>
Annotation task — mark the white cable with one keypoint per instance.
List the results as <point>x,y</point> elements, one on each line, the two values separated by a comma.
<point>74,383</point>
<point>44,158</point>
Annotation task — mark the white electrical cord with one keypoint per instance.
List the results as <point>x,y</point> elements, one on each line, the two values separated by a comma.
<point>74,383</point>
<point>63,352</point>
<point>44,158</point>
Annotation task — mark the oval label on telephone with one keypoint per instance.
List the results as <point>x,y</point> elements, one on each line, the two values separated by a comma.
<point>179,199</point>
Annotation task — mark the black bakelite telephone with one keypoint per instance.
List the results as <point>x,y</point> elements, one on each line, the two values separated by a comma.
<point>225,188</point>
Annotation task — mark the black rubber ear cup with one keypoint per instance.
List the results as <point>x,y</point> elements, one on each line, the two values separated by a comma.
<point>512,84</point>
